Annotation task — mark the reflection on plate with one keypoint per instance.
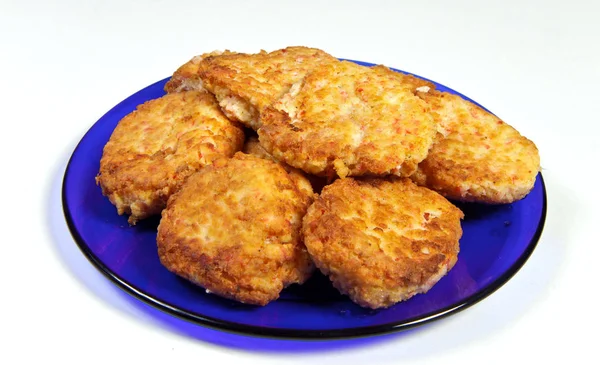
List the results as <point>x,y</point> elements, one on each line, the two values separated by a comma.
<point>496,242</point>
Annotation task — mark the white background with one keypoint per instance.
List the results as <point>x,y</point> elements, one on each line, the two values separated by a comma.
<point>63,64</point>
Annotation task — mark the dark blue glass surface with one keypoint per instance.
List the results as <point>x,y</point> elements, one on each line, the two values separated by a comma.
<point>496,242</point>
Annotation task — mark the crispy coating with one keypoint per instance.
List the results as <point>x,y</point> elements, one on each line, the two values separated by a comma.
<point>154,149</point>
<point>234,229</point>
<point>253,147</point>
<point>410,81</point>
<point>349,120</point>
<point>187,76</point>
<point>382,241</point>
<point>245,84</point>
<point>478,158</point>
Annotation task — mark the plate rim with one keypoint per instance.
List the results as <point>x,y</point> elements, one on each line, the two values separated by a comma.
<point>285,333</point>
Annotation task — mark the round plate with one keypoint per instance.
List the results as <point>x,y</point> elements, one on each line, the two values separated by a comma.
<point>496,242</point>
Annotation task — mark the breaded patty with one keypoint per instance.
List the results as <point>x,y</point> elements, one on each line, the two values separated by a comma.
<point>154,149</point>
<point>186,77</point>
<point>481,159</point>
<point>234,229</point>
<point>382,241</point>
<point>349,120</point>
<point>245,84</point>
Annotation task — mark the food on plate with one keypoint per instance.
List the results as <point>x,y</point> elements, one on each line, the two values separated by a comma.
<point>382,241</point>
<point>154,149</point>
<point>349,120</point>
<point>383,149</point>
<point>234,229</point>
<point>479,158</point>
<point>244,84</point>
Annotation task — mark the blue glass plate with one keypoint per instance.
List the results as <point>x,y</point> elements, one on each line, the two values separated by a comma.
<point>497,241</point>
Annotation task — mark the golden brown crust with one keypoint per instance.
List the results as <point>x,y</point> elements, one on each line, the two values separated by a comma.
<point>154,149</point>
<point>187,77</point>
<point>245,84</point>
<point>234,229</point>
<point>478,157</point>
<point>253,147</point>
<point>349,120</point>
<point>382,241</point>
<point>412,82</point>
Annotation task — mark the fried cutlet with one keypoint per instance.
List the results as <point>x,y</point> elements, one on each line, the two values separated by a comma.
<point>479,158</point>
<point>349,120</point>
<point>154,149</point>
<point>382,241</point>
<point>234,229</point>
<point>245,84</point>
